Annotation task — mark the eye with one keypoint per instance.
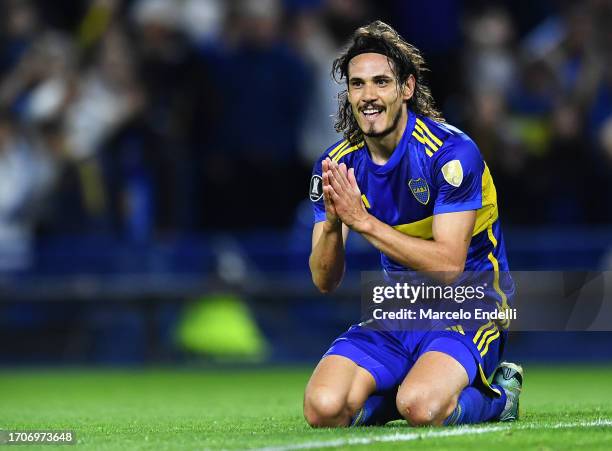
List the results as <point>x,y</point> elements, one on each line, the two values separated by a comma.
<point>356,83</point>
<point>382,82</point>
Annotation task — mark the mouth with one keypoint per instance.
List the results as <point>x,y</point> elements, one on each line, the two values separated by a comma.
<point>371,113</point>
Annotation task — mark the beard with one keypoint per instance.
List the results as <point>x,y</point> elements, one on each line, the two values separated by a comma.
<point>385,132</point>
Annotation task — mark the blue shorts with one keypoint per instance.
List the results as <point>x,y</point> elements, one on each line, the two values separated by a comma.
<point>389,355</point>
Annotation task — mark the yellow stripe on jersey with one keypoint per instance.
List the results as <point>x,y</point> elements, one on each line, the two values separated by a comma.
<point>420,137</point>
<point>347,151</point>
<point>365,201</point>
<point>433,146</point>
<point>488,213</point>
<point>422,140</point>
<point>338,148</point>
<point>418,229</point>
<point>423,228</point>
<point>422,125</point>
<point>424,135</point>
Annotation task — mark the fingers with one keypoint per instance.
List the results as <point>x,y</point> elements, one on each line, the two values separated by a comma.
<point>335,197</point>
<point>329,195</point>
<point>339,177</point>
<point>337,188</point>
<point>352,180</point>
<point>339,173</point>
<point>326,180</point>
<point>326,186</point>
<point>326,193</point>
<point>328,175</point>
<point>343,170</point>
<point>325,172</point>
<point>328,190</point>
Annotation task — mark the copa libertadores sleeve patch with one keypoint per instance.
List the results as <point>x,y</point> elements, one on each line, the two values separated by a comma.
<point>453,172</point>
<point>316,188</point>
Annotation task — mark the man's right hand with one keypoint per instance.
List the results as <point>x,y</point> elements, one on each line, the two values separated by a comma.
<point>330,210</point>
<point>328,239</point>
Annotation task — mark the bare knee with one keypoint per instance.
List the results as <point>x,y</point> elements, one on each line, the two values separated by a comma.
<point>423,408</point>
<point>324,408</point>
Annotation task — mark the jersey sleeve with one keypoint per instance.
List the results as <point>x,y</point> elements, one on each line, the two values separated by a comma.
<point>457,173</point>
<point>315,192</point>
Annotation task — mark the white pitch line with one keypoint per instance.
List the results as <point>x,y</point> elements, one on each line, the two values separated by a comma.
<point>454,432</point>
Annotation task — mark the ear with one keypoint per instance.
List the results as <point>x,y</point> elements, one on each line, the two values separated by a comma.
<point>408,87</point>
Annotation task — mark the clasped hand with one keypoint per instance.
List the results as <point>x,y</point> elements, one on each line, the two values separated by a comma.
<point>342,196</point>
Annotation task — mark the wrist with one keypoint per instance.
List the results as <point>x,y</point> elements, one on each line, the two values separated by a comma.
<point>332,226</point>
<point>364,225</point>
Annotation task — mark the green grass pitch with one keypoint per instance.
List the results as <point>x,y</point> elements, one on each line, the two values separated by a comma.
<point>562,408</point>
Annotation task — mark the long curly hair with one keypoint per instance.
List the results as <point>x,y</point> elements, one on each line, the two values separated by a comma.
<point>407,60</point>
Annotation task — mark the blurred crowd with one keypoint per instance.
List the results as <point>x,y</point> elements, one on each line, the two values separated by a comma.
<point>151,118</point>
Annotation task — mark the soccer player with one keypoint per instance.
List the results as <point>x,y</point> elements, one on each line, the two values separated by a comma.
<point>419,191</point>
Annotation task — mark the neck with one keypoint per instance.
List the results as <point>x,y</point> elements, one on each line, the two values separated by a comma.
<point>382,148</point>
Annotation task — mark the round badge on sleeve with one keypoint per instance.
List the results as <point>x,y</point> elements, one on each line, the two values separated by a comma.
<point>316,188</point>
<point>453,173</point>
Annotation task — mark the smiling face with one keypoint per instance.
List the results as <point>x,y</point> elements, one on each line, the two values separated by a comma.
<point>378,103</point>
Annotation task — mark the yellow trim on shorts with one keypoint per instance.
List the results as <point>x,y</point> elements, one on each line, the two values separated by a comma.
<point>504,299</point>
<point>481,330</point>
<point>485,336</point>
<point>488,342</point>
<point>457,329</point>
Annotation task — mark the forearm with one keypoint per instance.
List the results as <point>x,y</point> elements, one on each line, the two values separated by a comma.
<point>414,253</point>
<point>327,258</point>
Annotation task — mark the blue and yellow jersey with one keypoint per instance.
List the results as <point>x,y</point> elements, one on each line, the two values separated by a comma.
<point>435,169</point>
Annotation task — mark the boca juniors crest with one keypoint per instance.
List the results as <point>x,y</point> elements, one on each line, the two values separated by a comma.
<point>420,190</point>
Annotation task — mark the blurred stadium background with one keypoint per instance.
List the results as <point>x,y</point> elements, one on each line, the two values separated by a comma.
<point>155,158</point>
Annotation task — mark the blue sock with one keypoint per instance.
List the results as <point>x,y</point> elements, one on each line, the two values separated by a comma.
<point>476,407</point>
<point>377,411</point>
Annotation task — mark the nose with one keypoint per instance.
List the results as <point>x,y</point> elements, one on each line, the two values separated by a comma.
<point>369,92</point>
